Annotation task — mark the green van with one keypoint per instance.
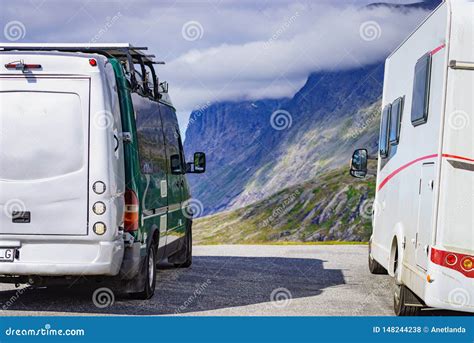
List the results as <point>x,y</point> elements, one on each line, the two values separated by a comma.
<point>104,195</point>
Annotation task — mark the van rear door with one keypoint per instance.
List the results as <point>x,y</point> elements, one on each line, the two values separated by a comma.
<point>44,159</point>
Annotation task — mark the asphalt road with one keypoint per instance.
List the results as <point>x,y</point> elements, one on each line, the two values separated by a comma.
<point>236,280</point>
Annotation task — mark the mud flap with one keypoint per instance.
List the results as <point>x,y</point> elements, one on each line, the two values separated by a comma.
<point>180,256</point>
<point>131,262</point>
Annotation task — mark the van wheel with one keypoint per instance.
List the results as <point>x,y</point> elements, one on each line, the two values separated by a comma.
<point>400,308</point>
<point>148,274</point>
<point>374,266</point>
<point>188,250</point>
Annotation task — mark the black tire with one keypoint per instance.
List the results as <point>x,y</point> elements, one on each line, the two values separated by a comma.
<point>374,266</point>
<point>148,274</point>
<point>188,253</point>
<point>399,306</point>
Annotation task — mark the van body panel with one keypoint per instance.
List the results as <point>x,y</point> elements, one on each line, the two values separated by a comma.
<point>48,169</point>
<point>66,257</point>
<point>44,160</point>
<point>154,131</point>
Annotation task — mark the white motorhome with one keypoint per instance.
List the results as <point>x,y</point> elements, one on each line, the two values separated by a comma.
<point>423,221</point>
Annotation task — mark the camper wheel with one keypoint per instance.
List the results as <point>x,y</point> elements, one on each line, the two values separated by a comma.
<point>402,304</point>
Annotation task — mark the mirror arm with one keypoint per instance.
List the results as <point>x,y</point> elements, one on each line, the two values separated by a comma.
<point>189,167</point>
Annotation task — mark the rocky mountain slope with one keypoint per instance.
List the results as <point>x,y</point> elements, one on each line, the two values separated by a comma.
<point>332,207</point>
<point>277,169</point>
<point>255,149</point>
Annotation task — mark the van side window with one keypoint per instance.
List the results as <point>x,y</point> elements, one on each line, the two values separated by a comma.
<point>181,150</point>
<point>170,126</point>
<point>396,121</point>
<point>384,127</point>
<point>150,135</point>
<point>421,91</point>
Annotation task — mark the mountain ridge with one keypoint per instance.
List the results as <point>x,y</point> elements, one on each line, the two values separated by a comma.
<point>256,148</point>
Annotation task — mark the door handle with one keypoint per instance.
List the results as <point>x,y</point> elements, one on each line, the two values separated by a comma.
<point>116,143</point>
<point>431,184</point>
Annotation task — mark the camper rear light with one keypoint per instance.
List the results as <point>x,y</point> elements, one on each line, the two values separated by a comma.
<point>467,263</point>
<point>131,211</point>
<point>451,259</point>
<point>93,62</point>
<point>462,263</point>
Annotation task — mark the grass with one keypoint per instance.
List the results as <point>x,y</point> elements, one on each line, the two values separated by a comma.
<point>310,217</point>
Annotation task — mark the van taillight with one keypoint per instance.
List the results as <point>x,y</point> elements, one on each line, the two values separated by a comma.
<point>131,211</point>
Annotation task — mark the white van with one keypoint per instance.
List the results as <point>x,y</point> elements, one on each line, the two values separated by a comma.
<point>423,221</point>
<point>91,167</point>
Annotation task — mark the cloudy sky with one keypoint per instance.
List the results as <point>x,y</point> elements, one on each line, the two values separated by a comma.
<point>222,50</point>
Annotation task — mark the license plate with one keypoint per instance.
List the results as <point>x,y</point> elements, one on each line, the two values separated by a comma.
<point>7,254</point>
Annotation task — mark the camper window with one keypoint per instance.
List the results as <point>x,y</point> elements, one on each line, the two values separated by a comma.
<point>384,126</point>
<point>396,120</point>
<point>421,91</point>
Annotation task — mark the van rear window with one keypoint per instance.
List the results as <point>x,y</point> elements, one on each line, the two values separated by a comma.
<point>41,135</point>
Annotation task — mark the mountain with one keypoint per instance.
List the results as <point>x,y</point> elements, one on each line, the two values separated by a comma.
<point>255,149</point>
<point>278,169</point>
<point>332,207</point>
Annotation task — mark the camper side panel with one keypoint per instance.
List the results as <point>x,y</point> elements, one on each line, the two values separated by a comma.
<point>398,207</point>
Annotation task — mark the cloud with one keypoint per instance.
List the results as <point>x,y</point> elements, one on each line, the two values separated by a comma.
<point>245,50</point>
<point>306,41</point>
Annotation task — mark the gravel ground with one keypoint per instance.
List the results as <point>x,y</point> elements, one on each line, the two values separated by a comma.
<point>237,280</point>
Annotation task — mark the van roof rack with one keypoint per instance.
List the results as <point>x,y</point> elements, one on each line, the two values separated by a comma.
<point>124,52</point>
<point>121,51</point>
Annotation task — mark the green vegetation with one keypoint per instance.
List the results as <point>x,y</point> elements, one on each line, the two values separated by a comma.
<point>334,208</point>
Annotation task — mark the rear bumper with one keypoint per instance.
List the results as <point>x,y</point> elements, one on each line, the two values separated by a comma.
<point>449,290</point>
<point>65,258</point>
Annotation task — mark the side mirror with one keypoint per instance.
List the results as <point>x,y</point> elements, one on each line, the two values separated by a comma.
<point>199,162</point>
<point>198,166</point>
<point>175,162</point>
<point>359,163</point>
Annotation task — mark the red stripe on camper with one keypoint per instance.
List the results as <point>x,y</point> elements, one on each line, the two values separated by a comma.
<point>458,158</point>
<point>392,174</point>
<point>438,49</point>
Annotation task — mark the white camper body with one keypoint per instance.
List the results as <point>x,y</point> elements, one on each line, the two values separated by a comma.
<point>423,224</point>
<point>50,124</point>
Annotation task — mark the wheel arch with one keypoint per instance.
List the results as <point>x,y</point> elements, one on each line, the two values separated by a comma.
<point>154,236</point>
<point>396,256</point>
